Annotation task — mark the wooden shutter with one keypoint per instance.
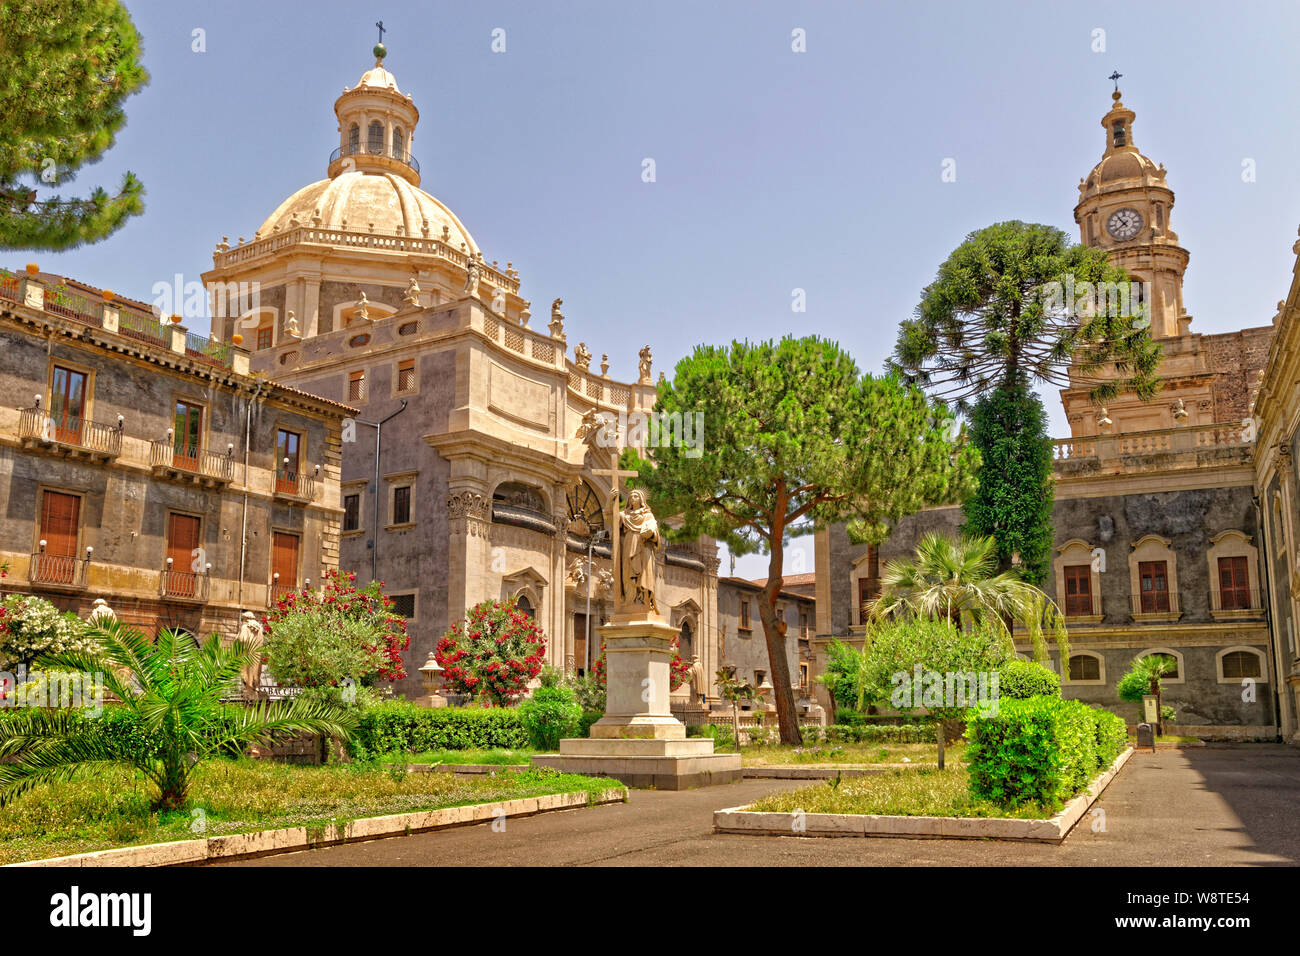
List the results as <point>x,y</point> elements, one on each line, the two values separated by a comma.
<point>60,516</point>
<point>284,559</point>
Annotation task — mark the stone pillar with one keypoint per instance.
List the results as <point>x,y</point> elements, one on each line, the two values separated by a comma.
<point>469,519</point>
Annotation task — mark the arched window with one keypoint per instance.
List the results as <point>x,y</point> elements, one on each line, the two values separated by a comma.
<point>375,137</point>
<point>525,605</point>
<point>1086,668</point>
<point>1236,664</point>
<point>686,641</point>
<point>399,144</point>
<point>1175,676</point>
<point>354,138</point>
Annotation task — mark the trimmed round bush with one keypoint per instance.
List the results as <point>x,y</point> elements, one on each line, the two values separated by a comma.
<point>1021,680</point>
<point>549,715</point>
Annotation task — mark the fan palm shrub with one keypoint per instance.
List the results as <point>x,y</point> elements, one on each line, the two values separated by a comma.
<point>955,579</point>
<point>172,688</point>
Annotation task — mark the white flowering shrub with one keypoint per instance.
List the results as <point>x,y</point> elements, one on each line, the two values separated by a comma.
<point>31,626</point>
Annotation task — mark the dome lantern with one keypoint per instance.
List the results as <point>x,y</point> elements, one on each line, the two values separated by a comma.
<point>376,126</point>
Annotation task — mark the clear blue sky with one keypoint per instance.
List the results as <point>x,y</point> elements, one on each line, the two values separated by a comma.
<point>775,170</point>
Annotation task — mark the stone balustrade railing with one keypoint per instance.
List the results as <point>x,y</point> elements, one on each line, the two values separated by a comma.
<point>1184,447</point>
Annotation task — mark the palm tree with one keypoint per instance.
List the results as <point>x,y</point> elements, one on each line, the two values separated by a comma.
<point>173,687</point>
<point>953,579</point>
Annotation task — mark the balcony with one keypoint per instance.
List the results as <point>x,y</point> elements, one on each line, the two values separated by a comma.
<point>171,459</point>
<point>1082,608</point>
<point>400,155</point>
<point>61,571</point>
<point>1155,607</point>
<point>294,486</point>
<point>1228,604</point>
<point>184,586</point>
<point>1158,450</point>
<point>69,437</point>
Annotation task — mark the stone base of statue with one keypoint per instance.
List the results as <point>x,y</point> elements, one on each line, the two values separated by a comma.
<point>639,742</point>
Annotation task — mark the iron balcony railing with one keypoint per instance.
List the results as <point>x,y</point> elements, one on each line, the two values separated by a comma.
<point>207,350</point>
<point>36,424</point>
<point>401,155</point>
<point>1155,602</point>
<point>79,308</point>
<point>63,569</point>
<point>138,325</point>
<point>295,484</point>
<point>1236,599</point>
<point>1081,605</point>
<point>165,453</point>
<point>183,585</point>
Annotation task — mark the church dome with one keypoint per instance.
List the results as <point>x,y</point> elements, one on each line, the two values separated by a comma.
<point>358,201</point>
<point>1123,165</point>
<point>379,77</point>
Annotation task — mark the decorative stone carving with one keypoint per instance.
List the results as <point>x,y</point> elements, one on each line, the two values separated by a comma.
<point>711,564</point>
<point>363,307</point>
<point>101,613</point>
<point>250,634</point>
<point>526,313</point>
<point>582,357</point>
<point>1180,411</point>
<point>291,327</point>
<point>604,365</point>
<point>639,542</point>
<point>643,366</point>
<point>1104,420</point>
<point>473,508</point>
<point>412,294</point>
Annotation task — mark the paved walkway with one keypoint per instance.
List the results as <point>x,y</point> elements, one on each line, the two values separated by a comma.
<point>1196,807</point>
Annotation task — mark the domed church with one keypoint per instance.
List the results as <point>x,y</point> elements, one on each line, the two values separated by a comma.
<point>468,473</point>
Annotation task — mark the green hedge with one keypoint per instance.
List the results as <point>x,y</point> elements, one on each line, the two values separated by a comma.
<point>881,733</point>
<point>1040,749</point>
<point>397,726</point>
<point>1023,679</point>
<point>1112,737</point>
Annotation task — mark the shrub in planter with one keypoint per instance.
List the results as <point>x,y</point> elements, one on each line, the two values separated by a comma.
<point>1021,679</point>
<point>550,715</point>
<point>402,727</point>
<point>1037,749</point>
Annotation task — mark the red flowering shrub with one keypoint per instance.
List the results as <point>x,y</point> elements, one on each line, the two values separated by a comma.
<point>320,639</point>
<point>492,654</point>
<point>679,670</point>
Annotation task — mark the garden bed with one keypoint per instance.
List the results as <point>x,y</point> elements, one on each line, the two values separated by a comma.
<point>307,806</point>
<point>848,754</point>
<point>927,803</point>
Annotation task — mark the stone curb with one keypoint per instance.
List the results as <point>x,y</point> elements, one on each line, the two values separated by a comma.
<point>268,842</point>
<point>1052,830</point>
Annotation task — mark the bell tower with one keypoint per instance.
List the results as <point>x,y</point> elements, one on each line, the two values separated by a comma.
<point>1124,207</point>
<point>376,124</point>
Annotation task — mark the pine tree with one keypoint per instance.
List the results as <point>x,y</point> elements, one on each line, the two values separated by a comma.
<point>69,66</point>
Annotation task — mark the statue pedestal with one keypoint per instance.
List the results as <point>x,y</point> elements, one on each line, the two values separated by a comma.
<point>638,741</point>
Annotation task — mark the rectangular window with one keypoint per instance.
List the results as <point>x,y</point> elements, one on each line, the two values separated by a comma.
<point>187,435</point>
<point>1155,586</point>
<point>402,504</point>
<point>287,461</point>
<point>744,614</point>
<point>60,520</point>
<point>351,512</point>
<point>67,404</point>
<point>1120,138</point>
<point>357,386</point>
<point>403,605</point>
<point>284,564</point>
<point>264,334</point>
<point>180,575</point>
<point>1234,584</point>
<point>406,375</point>
<point>1078,590</point>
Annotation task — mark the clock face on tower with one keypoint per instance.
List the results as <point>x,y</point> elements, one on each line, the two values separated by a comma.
<point>1124,224</point>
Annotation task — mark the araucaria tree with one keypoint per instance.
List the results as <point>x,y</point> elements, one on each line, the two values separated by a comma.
<point>796,438</point>
<point>69,65</point>
<point>1018,305</point>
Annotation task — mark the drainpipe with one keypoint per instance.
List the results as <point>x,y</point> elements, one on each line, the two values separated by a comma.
<point>374,541</point>
<point>243,531</point>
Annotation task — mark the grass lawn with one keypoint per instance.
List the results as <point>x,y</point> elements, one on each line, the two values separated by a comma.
<point>910,793</point>
<point>110,806</point>
<point>497,757</point>
<point>770,755</point>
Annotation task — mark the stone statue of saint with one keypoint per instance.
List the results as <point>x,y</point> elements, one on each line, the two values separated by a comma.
<point>638,543</point>
<point>363,307</point>
<point>471,276</point>
<point>697,678</point>
<point>291,327</point>
<point>582,357</point>
<point>643,366</point>
<point>250,633</point>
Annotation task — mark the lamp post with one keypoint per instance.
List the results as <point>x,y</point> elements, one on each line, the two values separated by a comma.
<point>591,543</point>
